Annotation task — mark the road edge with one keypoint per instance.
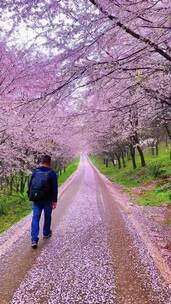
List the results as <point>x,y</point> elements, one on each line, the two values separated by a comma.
<point>154,252</point>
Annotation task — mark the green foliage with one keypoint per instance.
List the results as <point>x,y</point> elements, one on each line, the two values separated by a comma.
<point>3,209</point>
<point>157,170</point>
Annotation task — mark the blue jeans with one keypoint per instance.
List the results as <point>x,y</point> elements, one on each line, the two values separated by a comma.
<point>37,211</point>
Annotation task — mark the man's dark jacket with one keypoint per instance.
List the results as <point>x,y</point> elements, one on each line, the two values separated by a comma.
<point>54,182</point>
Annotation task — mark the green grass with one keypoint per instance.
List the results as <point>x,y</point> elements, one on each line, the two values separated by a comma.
<point>155,197</point>
<point>69,170</point>
<point>14,207</point>
<point>130,178</point>
<point>126,176</point>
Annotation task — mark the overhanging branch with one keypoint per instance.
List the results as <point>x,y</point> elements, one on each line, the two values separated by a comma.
<point>132,33</point>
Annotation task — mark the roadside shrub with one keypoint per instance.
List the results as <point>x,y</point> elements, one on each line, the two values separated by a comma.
<point>3,209</point>
<point>157,170</point>
<point>22,197</point>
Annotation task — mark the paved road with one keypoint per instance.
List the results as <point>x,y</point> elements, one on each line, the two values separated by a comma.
<point>94,256</point>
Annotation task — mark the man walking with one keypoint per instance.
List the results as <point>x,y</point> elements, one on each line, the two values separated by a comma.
<point>43,192</point>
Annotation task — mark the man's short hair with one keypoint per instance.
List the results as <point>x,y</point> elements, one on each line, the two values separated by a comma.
<point>46,159</point>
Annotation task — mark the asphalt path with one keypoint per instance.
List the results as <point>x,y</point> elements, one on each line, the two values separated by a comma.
<point>94,256</point>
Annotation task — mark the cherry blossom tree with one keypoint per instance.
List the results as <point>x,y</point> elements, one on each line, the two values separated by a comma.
<point>92,75</point>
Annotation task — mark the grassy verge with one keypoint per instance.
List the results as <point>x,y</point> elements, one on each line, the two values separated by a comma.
<point>69,170</point>
<point>155,197</point>
<point>15,207</point>
<point>12,209</point>
<point>153,181</point>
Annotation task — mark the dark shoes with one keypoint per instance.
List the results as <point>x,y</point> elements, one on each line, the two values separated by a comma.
<point>48,236</point>
<point>34,244</point>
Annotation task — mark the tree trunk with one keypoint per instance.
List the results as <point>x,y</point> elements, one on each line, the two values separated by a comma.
<point>22,183</point>
<point>152,150</point>
<point>123,160</point>
<point>157,148</point>
<point>113,162</point>
<point>140,151</point>
<point>17,184</point>
<point>168,130</point>
<point>119,161</point>
<point>11,184</point>
<point>132,152</point>
<point>166,140</point>
<point>107,163</point>
<point>128,155</point>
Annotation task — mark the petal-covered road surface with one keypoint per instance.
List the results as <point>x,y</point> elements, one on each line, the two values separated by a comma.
<point>94,256</point>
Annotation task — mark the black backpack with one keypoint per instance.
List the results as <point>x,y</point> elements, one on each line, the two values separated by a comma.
<point>40,189</point>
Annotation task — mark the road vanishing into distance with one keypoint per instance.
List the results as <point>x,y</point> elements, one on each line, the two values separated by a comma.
<point>94,256</point>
